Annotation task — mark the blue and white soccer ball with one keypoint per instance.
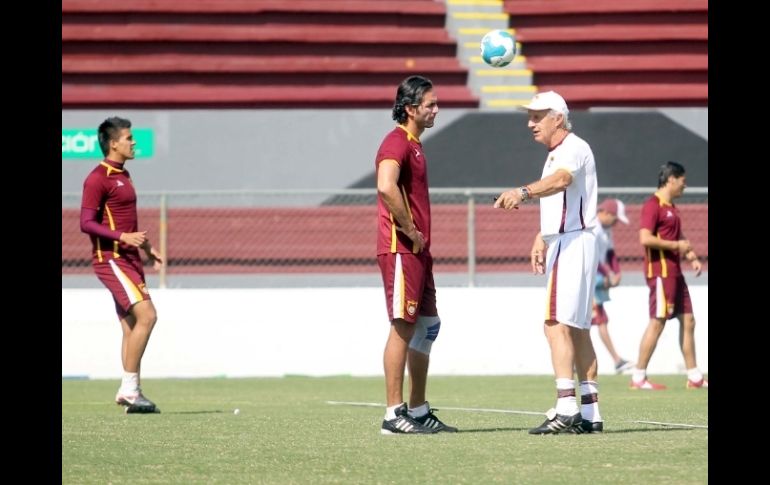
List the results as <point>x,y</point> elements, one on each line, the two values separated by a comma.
<point>498,48</point>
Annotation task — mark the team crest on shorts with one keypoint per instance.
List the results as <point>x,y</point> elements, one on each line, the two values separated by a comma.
<point>411,307</point>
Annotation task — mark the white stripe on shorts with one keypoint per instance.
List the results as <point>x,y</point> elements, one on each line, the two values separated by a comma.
<point>398,289</point>
<point>134,295</point>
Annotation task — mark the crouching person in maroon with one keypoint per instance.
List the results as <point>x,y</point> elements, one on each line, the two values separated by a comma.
<point>108,215</point>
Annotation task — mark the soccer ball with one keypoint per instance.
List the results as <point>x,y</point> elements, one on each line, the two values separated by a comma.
<point>498,48</point>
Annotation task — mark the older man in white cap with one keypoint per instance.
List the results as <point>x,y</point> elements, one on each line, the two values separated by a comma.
<point>568,195</point>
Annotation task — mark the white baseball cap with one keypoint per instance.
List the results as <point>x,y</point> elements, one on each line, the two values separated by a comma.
<point>616,208</point>
<point>548,100</point>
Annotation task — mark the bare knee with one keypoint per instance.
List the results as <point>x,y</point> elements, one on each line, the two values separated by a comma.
<point>145,314</point>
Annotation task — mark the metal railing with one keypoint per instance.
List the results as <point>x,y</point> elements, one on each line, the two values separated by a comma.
<point>334,230</point>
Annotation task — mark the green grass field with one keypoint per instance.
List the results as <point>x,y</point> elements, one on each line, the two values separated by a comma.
<point>286,432</point>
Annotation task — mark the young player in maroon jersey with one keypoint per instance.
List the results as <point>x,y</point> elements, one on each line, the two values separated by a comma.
<point>665,245</point>
<point>108,215</point>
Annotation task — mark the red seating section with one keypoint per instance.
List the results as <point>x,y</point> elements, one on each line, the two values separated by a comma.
<point>608,53</point>
<point>342,238</point>
<point>254,53</point>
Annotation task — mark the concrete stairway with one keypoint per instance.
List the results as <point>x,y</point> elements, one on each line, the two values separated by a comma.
<point>503,88</point>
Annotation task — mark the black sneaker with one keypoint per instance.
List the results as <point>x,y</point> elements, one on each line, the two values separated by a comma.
<point>556,423</point>
<point>135,403</point>
<point>404,424</point>
<point>585,426</point>
<point>431,421</point>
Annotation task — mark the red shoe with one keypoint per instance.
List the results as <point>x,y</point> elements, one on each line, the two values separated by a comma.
<point>703,383</point>
<point>647,385</point>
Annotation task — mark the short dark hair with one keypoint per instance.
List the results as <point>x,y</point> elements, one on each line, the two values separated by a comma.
<point>410,92</point>
<point>667,170</point>
<point>110,130</point>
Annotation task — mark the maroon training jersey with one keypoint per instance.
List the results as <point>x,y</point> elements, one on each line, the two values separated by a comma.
<point>662,219</point>
<point>108,189</point>
<point>406,149</point>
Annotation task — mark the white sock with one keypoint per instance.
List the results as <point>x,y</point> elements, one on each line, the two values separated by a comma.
<point>638,375</point>
<point>589,399</point>
<point>565,403</point>
<point>419,411</point>
<point>390,411</point>
<point>130,382</point>
<point>694,374</point>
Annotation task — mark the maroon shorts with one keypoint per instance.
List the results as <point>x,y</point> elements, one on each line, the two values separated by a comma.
<point>409,287</point>
<point>669,297</point>
<point>125,280</point>
<point>599,315</point>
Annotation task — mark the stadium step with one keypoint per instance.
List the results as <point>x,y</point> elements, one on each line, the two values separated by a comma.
<point>498,88</point>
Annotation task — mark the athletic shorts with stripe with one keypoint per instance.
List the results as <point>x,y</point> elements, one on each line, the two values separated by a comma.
<point>125,280</point>
<point>570,273</point>
<point>669,297</point>
<point>409,287</point>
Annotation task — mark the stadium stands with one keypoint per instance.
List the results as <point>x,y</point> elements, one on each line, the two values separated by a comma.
<point>258,53</point>
<point>608,53</point>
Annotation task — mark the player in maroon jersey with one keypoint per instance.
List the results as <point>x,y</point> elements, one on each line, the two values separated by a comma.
<point>665,245</point>
<point>108,215</point>
<point>403,253</point>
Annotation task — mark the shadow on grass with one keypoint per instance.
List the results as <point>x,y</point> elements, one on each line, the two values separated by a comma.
<point>216,411</point>
<point>651,430</point>
<point>490,430</point>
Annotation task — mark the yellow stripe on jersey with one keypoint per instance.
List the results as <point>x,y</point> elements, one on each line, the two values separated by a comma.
<point>393,238</point>
<point>110,168</point>
<point>408,212</point>
<point>112,226</point>
<point>410,136</point>
<point>99,255</point>
<point>649,262</point>
<point>663,265</point>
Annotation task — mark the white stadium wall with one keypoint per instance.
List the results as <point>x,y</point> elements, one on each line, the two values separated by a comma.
<point>332,331</point>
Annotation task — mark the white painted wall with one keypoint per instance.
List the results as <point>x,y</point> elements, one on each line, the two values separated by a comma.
<point>328,331</point>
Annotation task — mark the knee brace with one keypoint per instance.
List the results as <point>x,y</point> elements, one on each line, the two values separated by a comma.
<point>425,333</point>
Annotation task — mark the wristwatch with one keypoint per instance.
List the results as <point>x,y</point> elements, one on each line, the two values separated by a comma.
<point>524,193</point>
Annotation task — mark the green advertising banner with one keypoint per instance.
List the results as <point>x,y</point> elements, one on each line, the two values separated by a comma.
<point>84,144</point>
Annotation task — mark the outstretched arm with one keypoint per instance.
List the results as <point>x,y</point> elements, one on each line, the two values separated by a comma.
<point>551,184</point>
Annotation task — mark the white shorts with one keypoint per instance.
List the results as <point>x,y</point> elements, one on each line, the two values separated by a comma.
<point>571,272</point>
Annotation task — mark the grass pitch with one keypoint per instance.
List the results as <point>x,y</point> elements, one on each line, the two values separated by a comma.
<point>287,433</point>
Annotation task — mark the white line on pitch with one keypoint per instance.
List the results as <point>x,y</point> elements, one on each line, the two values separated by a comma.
<point>485,410</point>
<point>672,424</point>
<point>507,411</point>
